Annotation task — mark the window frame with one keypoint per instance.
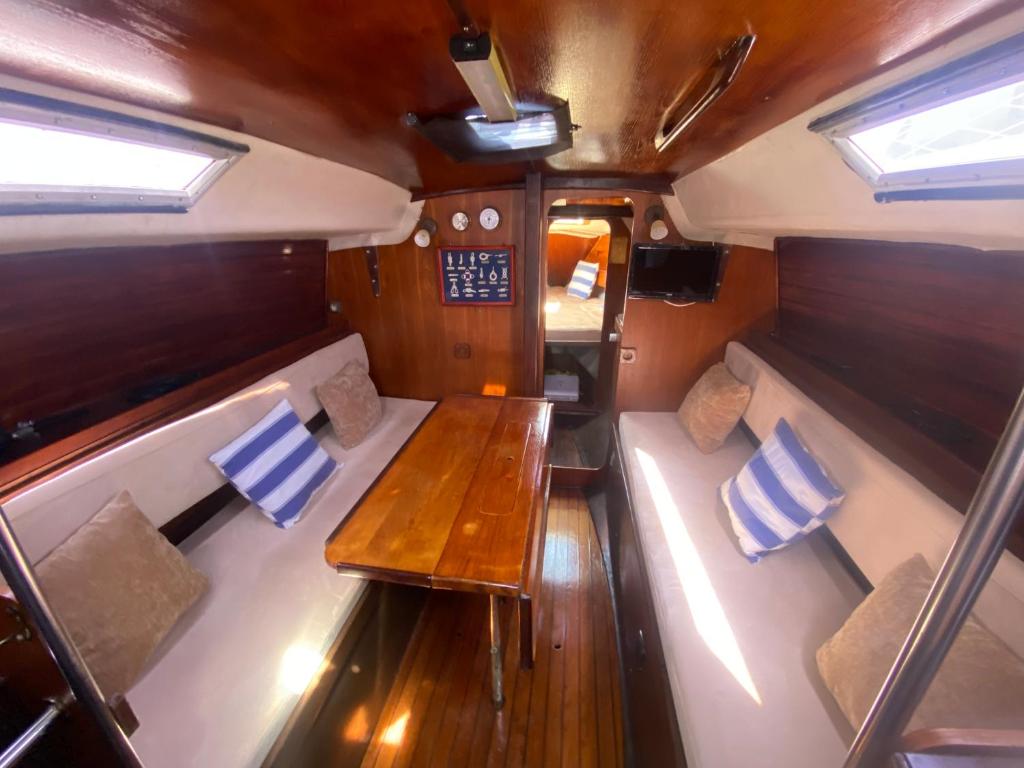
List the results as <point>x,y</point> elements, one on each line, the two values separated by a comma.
<point>987,69</point>
<point>31,109</point>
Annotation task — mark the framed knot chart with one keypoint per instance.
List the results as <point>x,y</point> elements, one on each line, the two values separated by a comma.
<point>477,275</point>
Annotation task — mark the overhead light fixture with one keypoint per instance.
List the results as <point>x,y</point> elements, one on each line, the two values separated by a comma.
<point>500,129</point>
<point>477,60</point>
<point>541,130</point>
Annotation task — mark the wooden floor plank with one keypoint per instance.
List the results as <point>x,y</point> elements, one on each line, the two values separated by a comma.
<point>383,746</point>
<point>466,678</point>
<point>606,677</point>
<point>428,731</point>
<point>563,712</point>
<point>555,578</point>
<point>588,594</point>
<point>572,645</point>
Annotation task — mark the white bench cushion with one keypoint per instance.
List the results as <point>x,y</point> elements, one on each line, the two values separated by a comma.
<point>887,516</point>
<point>226,679</point>
<point>168,470</point>
<point>739,639</point>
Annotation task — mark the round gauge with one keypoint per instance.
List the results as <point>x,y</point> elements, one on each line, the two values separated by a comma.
<point>460,221</point>
<point>490,218</point>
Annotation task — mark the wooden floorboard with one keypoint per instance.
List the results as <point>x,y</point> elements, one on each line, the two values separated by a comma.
<point>564,712</point>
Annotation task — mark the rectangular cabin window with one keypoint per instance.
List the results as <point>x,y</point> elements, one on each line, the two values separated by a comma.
<point>57,157</point>
<point>954,133</point>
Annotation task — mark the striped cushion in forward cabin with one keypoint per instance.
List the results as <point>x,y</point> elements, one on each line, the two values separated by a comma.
<point>277,465</point>
<point>583,279</point>
<point>781,494</point>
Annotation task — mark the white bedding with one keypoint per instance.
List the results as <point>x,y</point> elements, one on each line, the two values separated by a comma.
<point>571,320</point>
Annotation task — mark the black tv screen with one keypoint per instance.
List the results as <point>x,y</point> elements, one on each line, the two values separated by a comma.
<point>686,272</point>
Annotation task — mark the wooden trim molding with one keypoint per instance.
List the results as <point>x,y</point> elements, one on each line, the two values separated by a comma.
<point>657,184</point>
<point>534,278</point>
<point>76,449</point>
<point>183,525</point>
<point>932,464</point>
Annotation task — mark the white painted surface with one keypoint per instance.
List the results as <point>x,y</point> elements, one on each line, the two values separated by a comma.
<point>790,181</point>
<point>888,516</point>
<point>273,192</point>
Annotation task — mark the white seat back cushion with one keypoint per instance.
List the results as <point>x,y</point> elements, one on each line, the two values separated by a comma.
<point>888,516</point>
<point>739,639</point>
<point>168,470</point>
<point>226,679</point>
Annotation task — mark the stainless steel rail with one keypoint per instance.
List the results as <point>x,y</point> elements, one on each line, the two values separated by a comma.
<point>21,578</point>
<point>10,756</point>
<point>973,556</point>
<point>727,69</point>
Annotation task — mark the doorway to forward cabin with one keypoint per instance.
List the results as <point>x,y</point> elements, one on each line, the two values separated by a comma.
<point>586,263</point>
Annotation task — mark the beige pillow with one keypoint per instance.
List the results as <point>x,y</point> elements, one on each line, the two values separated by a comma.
<point>980,683</point>
<point>118,586</point>
<point>713,407</point>
<point>352,403</point>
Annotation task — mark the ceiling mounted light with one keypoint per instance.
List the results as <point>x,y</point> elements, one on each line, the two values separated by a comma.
<point>541,130</point>
<point>478,63</point>
<point>500,129</point>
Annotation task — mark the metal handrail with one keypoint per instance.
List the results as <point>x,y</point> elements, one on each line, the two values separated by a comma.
<point>971,560</point>
<point>17,749</point>
<point>17,571</point>
<point>728,68</point>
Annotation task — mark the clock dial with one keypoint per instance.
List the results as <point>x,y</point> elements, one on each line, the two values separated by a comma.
<point>460,221</point>
<point>490,218</point>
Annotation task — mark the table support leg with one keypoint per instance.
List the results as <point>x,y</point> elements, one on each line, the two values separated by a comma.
<point>497,684</point>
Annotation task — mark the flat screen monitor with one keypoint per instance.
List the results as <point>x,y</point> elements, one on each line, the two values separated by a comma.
<point>684,272</point>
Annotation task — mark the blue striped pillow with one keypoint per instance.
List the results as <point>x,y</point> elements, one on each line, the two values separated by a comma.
<point>583,279</point>
<point>277,465</point>
<point>781,494</point>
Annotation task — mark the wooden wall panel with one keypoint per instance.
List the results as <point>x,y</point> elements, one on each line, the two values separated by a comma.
<point>563,253</point>
<point>411,338</point>
<point>675,345</point>
<point>91,327</point>
<point>932,333</point>
<point>256,66</point>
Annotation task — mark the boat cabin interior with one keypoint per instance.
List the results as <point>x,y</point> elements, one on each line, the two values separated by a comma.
<point>516,384</point>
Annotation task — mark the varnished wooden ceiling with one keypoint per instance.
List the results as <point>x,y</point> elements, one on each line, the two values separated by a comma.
<point>335,77</point>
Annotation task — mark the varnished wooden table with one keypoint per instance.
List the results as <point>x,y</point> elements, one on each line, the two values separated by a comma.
<point>462,506</point>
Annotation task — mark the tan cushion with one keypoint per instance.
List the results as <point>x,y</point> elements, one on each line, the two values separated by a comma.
<point>713,407</point>
<point>980,684</point>
<point>352,403</point>
<point>119,586</point>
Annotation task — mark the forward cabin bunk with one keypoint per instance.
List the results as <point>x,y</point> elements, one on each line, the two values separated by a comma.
<point>512,384</point>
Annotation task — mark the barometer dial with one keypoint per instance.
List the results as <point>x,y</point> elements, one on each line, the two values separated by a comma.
<point>490,218</point>
<point>460,221</point>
